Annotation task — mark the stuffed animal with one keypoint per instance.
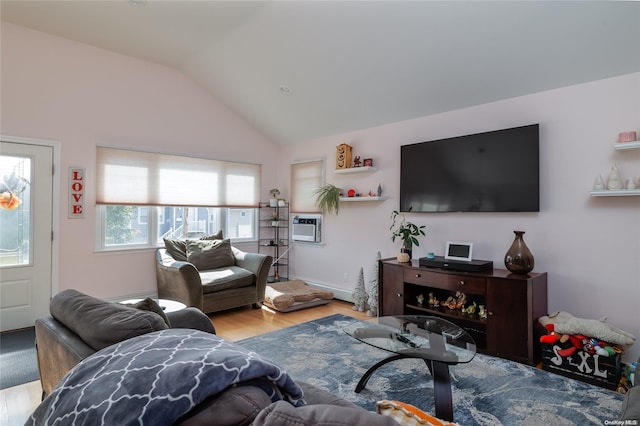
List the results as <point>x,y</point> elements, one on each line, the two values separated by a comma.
<point>565,323</point>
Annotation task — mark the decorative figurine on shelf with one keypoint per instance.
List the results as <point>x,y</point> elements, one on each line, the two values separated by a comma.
<point>357,162</point>
<point>630,184</point>
<point>471,309</point>
<point>598,185</point>
<point>379,190</point>
<point>449,303</point>
<point>482,312</point>
<point>373,289</point>
<point>461,299</point>
<point>343,156</point>
<point>432,300</point>
<point>420,299</point>
<point>360,295</point>
<point>614,182</point>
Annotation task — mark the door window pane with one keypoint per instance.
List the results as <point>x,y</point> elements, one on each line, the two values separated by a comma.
<point>15,210</point>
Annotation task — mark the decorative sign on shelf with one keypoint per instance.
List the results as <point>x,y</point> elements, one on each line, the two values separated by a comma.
<point>76,192</point>
<point>343,156</point>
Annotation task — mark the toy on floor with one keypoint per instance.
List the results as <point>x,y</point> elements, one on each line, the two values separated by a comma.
<point>565,323</point>
<point>569,344</point>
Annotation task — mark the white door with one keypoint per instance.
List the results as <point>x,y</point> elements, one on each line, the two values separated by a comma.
<point>26,185</point>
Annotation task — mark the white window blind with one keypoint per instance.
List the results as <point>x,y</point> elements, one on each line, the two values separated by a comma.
<point>306,178</point>
<point>144,178</point>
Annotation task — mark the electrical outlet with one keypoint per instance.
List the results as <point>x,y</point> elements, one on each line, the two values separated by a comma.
<point>346,277</point>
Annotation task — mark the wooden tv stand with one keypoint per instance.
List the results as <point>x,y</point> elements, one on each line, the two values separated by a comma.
<point>513,302</point>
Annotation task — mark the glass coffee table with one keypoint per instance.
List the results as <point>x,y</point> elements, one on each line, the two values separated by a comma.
<point>438,342</point>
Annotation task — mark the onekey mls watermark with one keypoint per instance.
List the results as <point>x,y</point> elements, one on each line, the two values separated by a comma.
<point>621,422</point>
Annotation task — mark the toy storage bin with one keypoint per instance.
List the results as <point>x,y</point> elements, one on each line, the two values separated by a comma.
<point>599,370</point>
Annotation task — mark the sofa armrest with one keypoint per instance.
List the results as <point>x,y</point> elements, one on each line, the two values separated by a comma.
<point>178,280</point>
<point>257,263</point>
<point>59,350</point>
<point>191,318</point>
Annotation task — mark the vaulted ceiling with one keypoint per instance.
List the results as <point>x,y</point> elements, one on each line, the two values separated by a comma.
<point>299,70</point>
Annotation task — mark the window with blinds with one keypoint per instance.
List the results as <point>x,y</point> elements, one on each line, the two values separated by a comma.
<point>143,197</point>
<point>306,178</point>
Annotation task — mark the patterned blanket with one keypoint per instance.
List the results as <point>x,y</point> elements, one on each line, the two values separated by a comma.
<point>156,378</point>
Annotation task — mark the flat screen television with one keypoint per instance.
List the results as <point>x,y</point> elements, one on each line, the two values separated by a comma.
<point>495,171</point>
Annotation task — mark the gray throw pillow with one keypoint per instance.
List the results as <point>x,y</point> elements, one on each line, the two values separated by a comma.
<point>176,248</point>
<point>216,236</point>
<point>148,304</point>
<point>210,254</point>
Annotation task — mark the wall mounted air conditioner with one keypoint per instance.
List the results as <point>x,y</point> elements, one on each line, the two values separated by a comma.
<point>306,227</point>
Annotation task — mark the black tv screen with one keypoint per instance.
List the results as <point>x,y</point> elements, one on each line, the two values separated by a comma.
<point>494,171</point>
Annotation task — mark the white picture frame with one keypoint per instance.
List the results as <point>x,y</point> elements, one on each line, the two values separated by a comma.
<point>456,250</point>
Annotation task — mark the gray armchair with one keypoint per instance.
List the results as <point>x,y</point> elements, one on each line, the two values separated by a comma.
<point>212,290</point>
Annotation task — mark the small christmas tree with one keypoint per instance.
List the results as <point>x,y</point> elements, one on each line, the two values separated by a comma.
<point>373,289</point>
<point>360,294</point>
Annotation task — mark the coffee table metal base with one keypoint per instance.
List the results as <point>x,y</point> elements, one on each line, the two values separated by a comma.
<point>441,384</point>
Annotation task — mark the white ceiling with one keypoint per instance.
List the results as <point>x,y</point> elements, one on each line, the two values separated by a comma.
<point>355,64</point>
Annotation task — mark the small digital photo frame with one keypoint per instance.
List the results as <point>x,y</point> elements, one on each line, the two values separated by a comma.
<point>458,251</point>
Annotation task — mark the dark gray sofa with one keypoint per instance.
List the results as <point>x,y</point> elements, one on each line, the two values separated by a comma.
<point>80,325</point>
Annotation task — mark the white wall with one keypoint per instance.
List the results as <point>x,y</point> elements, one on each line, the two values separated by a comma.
<point>82,96</point>
<point>590,247</point>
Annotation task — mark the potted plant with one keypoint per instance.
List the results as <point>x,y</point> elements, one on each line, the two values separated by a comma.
<point>275,220</point>
<point>273,201</point>
<point>328,198</point>
<point>406,231</point>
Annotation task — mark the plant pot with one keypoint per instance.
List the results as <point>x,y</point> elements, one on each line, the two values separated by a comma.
<point>273,202</point>
<point>275,223</point>
<point>408,251</point>
<point>281,203</point>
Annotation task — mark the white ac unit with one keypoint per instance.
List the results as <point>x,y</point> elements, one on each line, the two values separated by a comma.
<point>306,228</point>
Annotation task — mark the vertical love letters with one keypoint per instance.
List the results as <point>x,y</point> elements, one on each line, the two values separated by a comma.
<point>76,192</point>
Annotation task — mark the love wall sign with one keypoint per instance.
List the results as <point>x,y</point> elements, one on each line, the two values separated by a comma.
<point>76,192</point>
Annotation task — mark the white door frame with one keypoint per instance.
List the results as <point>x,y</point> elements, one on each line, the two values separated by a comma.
<point>55,212</point>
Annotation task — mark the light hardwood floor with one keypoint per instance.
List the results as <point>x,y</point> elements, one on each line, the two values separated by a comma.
<point>17,403</point>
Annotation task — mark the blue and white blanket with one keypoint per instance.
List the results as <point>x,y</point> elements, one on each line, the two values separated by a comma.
<point>156,378</point>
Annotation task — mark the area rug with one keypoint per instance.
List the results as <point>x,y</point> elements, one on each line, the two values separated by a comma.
<point>18,360</point>
<point>486,391</point>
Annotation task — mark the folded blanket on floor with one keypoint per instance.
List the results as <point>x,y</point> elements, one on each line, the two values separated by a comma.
<point>156,378</point>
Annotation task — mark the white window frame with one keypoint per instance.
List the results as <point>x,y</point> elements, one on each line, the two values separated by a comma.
<point>152,229</point>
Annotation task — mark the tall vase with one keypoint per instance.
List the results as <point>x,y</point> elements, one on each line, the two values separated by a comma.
<point>519,259</point>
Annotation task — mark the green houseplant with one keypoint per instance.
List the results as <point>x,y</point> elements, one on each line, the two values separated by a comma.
<point>406,231</point>
<point>328,198</point>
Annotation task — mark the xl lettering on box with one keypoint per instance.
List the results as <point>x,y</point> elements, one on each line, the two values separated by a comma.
<point>76,192</point>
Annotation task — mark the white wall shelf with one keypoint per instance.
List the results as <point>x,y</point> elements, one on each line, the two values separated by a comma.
<point>357,170</point>
<point>349,199</point>
<point>616,193</point>
<point>619,192</point>
<point>627,145</point>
